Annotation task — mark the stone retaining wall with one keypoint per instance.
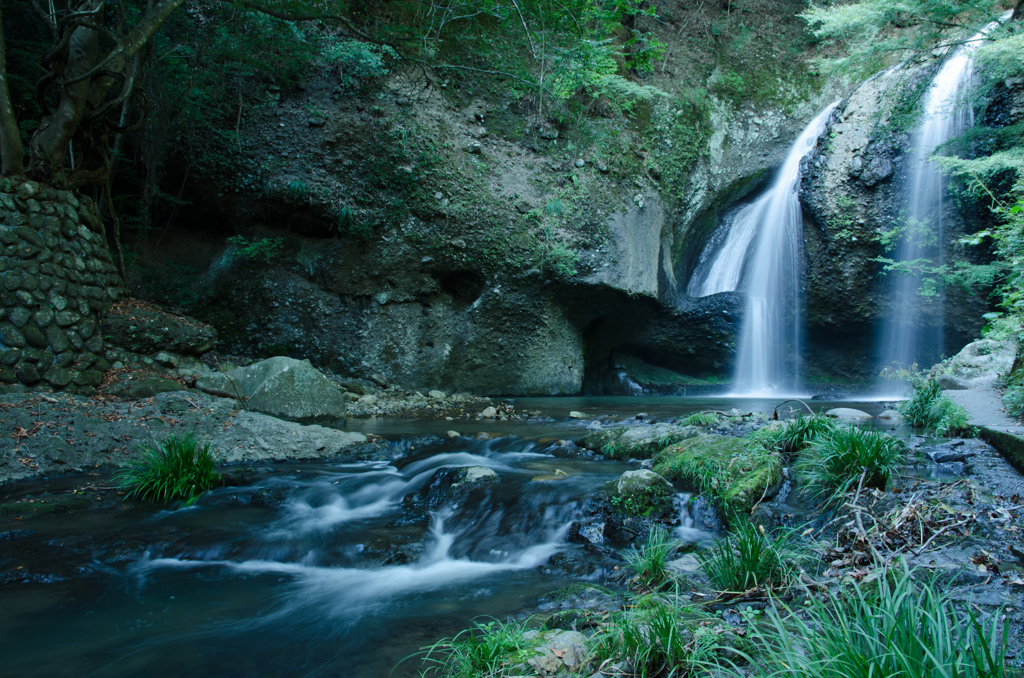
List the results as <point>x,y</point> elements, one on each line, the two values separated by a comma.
<point>57,279</point>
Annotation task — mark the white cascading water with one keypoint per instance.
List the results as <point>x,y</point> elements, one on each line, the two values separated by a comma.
<point>760,253</point>
<point>902,341</point>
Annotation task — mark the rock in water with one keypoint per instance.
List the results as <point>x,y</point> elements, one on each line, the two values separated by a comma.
<point>489,413</point>
<point>577,415</point>
<point>281,387</point>
<point>847,413</point>
<point>644,493</point>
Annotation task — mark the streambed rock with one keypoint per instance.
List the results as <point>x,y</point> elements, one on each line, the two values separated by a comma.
<point>445,485</point>
<point>644,494</point>
<point>847,413</point>
<point>281,387</point>
<point>638,442</point>
<point>62,433</point>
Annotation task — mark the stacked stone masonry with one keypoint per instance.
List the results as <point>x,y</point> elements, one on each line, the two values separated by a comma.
<point>57,279</point>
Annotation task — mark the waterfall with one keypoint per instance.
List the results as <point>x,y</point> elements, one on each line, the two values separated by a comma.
<point>902,341</point>
<point>758,251</point>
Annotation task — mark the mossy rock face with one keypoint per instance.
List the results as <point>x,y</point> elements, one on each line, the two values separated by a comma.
<point>637,442</point>
<point>733,472</point>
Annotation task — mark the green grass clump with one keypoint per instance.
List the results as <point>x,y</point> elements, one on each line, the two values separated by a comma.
<point>700,419</point>
<point>1013,401</point>
<point>180,467</point>
<point>835,462</point>
<point>654,639</point>
<point>484,650</point>
<point>649,562</point>
<point>749,558</point>
<point>794,435</point>
<point>896,629</point>
<point>928,408</point>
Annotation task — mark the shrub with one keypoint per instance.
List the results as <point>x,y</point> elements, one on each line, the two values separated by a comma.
<point>928,408</point>
<point>264,250</point>
<point>480,651</point>
<point>835,461</point>
<point>180,467</point>
<point>795,435</point>
<point>898,629</point>
<point>749,558</point>
<point>649,562</point>
<point>1013,401</point>
<point>653,638</point>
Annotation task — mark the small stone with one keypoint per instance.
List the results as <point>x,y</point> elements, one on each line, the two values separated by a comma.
<point>950,382</point>
<point>11,336</point>
<point>35,337</point>
<point>166,359</point>
<point>489,413</point>
<point>27,374</point>
<point>19,317</point>
<point>454,434</point>
<point>57,340</point>
<point>437,395</point>
<point>458,243</point>
<point>577,415</point>
<point>27,190</point>
<point>580,162</point>
<point>474,148</point>
<point>379,379</point>
<point>368,399</point>
<point>58,376</point>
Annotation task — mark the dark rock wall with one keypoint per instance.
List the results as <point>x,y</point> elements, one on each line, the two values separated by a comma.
<point>57,278</point>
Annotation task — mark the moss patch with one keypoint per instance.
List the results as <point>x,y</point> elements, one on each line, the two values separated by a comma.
<point>730,470</point>
<point>637,442</point>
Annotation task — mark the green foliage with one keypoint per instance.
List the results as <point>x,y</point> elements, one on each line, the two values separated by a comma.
<point>749,558</point>
<point>682,128</point>
<point>795,434</point>
<point>891,628</point>
<point>482,651</point>
<point>654,638</point>
<point>557,259</point>
<point>649,562</point>
<point>179,467</point>
<point>702,419</point>
<point>297,191</point>
<point>928,408</point>
<point>354,60</point>
<point>1013,401</point>
<point>261,250</point>
<point>835,461</point>
<point>872,33</point>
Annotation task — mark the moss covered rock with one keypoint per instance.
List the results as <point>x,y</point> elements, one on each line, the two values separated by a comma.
<point>644,494</point>
<point>637,442</point>
<point>732,471</point>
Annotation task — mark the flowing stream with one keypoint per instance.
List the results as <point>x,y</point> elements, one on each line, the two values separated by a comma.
<point>758,250</point>
<point>316,570</point>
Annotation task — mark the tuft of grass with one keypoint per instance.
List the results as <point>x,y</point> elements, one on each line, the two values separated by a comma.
<point>649,562</point>
<point>483,650</point>
<point>653,637</point>
<point>928,408</point>
<point>795,435</point>
<point>179,467</point>
<point>747,559</point>
<point>700,419</point>
<point>897,629</point>
<point>836,461</point>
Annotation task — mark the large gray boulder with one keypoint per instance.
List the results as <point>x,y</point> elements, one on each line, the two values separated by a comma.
<point>281,387</point>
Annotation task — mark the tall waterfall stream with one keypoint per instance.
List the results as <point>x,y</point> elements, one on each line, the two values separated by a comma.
<point>758,250</point>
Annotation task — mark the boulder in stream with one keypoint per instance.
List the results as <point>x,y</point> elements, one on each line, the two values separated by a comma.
<point>638,442</point>
<point>281,387</point>
<point>847,413</point>
<point>444,486</point>
<point>732,472</point>
<point>643,493</point>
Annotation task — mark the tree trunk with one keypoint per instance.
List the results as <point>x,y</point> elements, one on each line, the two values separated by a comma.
<point>1018,11</point>
<point>12,151</point>
<point>50,143</point>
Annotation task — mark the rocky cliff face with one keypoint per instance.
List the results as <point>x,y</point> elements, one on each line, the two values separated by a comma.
<point>488,256</point>
<point>853,195</point>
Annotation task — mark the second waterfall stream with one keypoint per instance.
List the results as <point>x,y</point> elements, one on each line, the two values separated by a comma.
<point>758,251</point>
